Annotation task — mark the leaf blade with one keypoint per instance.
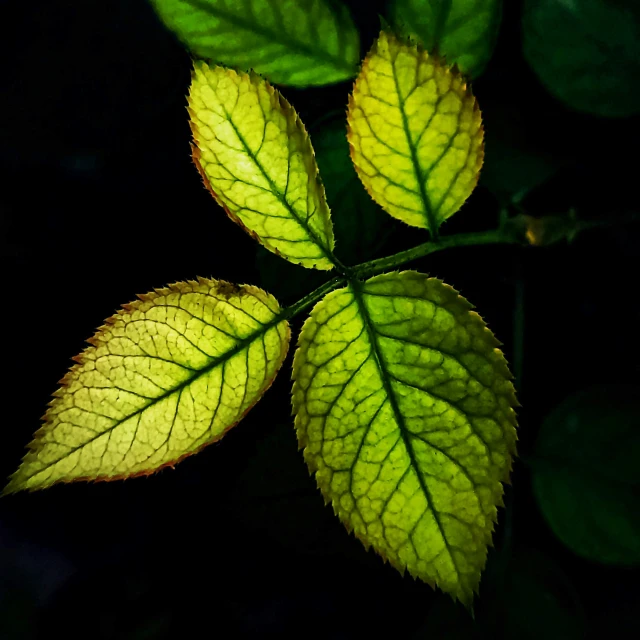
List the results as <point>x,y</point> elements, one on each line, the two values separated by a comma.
<point>415,132</point>
<point>165,376</point>
<point>256,158</point>
<point>366,421</point>
<point>298,43</point>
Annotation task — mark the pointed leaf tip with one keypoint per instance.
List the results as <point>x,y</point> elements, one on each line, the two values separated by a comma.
<point>165,378</point>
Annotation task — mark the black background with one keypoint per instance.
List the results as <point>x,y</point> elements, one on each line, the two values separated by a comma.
<point>99,201</point>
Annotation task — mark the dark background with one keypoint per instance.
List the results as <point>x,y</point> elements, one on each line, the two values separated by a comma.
<point>99,201</point>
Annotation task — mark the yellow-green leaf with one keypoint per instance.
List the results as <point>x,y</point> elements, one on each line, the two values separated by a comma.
<point>294,42</point>
<point>255,157</point>
<point>403,405</point>
<point>165,376</point>
<point>416,133</point>
<point>464,31</point>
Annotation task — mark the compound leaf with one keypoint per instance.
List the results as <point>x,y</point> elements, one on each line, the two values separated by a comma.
<point>464,31</point>
<point>165,376</point>
<point>293,42</point>
<point>587,53</point>
<point>586,473</point>
<point>255,157</point>
<point>415,132</point>
<point>403,405</point>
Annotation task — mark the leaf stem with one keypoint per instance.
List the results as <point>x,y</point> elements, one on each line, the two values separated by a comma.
<point>495,236</point>
<point>311,298</point>
<point>511,231</point>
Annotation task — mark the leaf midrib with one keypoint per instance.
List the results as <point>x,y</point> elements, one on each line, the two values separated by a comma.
<point>277,193</point>
<point>282,37</point>
<point>355,285</point>
<point>432,223</point>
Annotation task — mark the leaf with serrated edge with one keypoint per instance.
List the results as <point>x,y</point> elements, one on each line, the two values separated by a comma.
<point>403,404</point>
<point>255,157</point>
<point>463,31</point>
<point>415,132</point>
<point>293,42</point>
<point>165,376</point>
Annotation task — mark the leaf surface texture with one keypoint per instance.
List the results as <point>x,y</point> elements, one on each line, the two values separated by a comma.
<point>403,405</point>
<point>166,375</point>
<point>255,157</point>
<point>415,132</point>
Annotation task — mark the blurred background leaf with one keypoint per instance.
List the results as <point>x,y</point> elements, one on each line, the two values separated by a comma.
<point>293,42</point>
<point>586,475</point>
<point>586,52</point>
<point>464,31</point>
<point>527,598</point>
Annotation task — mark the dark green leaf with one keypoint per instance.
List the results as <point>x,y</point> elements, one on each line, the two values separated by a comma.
<point>586,52</point>
<point>586,473</point>
<point>293,42</point>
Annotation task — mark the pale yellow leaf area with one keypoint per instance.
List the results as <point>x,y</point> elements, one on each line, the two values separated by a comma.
<point>257,160</point>
<point>166,375</point>
<point>415,132</point>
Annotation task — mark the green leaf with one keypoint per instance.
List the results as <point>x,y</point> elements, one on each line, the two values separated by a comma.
<point>255,157</point>
<point>586,473</point>
<point>403,405</point>
<point>292,42</point>
<point>587,53</point>
<point>464,31</point>
<point>416,133</point>
<point>165,376</point>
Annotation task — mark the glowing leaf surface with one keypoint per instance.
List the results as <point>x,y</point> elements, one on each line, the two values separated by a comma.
<point>415,132</point>
<point>164,376</point>
<point>255,156</point>
<point>464,31</point>
<point>294,42</point>
<point>403,406</point>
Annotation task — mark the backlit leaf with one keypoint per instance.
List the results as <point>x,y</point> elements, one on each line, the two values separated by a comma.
<point>586,473</point>
<point>403,405</point>
<point>293,42</point>
<point>464,31</point>
<point>255,157</point>
<point>586,52</point>
<point>165,376</point>
<point>415,132</point>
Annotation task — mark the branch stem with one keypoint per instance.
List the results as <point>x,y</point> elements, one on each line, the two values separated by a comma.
<point>495,236</point>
